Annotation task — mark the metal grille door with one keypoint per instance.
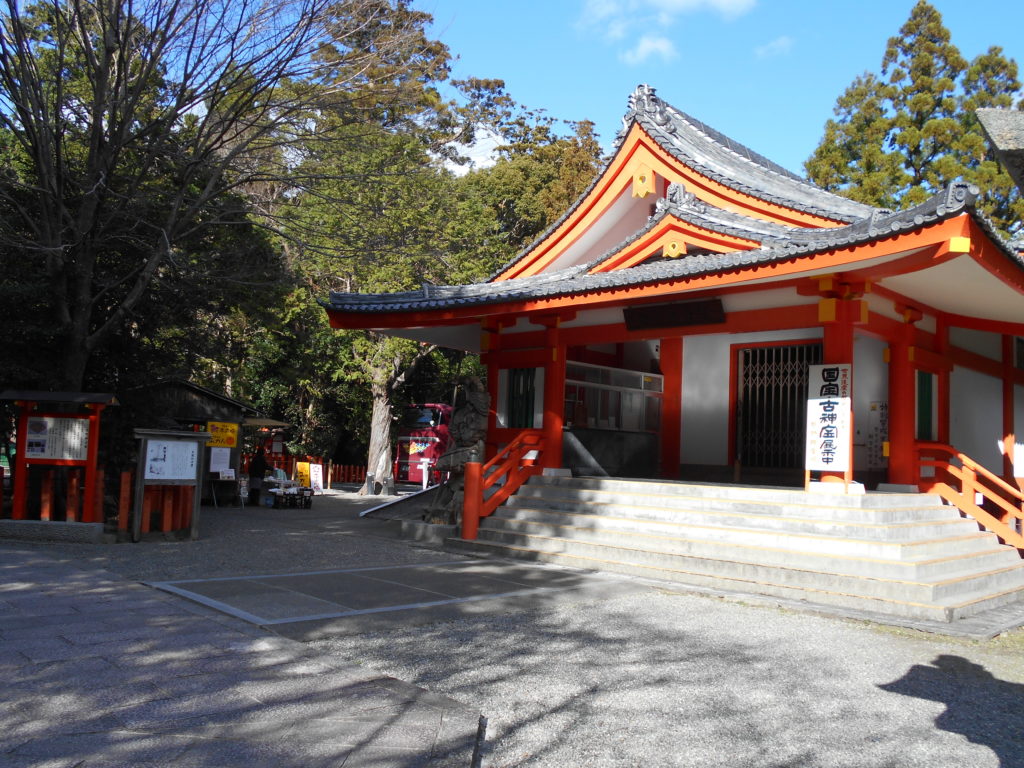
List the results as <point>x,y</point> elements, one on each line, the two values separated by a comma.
<point>772,404</point>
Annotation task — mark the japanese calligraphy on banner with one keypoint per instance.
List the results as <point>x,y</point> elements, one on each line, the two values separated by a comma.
<point>51,437</point>
<point>829,408</point>
<point>223,433</point>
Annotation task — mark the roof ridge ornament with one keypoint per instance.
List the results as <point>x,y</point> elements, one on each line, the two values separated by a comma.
<point>644,102</point>
<point>677,196</point>
<point>958,194</point>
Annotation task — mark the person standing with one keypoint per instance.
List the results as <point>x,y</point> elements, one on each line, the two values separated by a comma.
<point>257,469</point>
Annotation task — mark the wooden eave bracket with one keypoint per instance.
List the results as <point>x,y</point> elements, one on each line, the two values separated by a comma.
<point>833,287</point>
<point>910,314</point>
<point>554,320</point>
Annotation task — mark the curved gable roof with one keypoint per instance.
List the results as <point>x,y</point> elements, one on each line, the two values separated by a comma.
<point>709,154</point>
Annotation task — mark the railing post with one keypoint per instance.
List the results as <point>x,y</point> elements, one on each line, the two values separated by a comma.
<point>472,500</point>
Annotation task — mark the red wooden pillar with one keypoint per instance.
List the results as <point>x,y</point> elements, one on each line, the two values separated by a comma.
<point>92,460</point>
<point>838,317</point>
<point>902,404</point>
<point>671,360</point>
<point>73,498</point>
<point>554,396</point>
<point>46,495</point>
<point>19,500</point>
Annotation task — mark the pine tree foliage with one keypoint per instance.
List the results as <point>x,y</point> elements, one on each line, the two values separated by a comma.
<point>900,136</point>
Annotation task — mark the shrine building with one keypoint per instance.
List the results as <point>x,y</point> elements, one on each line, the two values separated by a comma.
<point>665,325</point>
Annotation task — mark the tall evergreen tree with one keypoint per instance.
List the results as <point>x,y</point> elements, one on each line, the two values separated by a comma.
<point>899,137</point>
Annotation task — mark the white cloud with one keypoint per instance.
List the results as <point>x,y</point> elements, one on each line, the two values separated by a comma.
<point>777,47</point>
<point>728,8</point>
<point>647,47</point>
<point>619,20</point>
<point>614,16</point>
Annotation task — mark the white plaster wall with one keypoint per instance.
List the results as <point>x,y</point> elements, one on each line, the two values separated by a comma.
<point>975,424</point>
<point>1018,431</point>
<point>870,386</point>
<point>980,342</point>
<point>705,420</point>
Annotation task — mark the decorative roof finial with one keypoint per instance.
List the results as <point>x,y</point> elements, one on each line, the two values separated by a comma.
<point>643,102</point>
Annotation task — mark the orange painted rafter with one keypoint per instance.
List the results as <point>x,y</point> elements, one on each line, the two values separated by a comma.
<point>841,259</point>
<point>993,259</point>
<point>640,151</point>
<point>673,235</point>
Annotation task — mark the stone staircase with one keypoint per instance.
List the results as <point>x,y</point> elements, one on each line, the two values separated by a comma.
<point>905,555</point>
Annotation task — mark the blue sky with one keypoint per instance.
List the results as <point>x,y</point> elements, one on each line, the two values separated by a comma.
<point>764,72</point>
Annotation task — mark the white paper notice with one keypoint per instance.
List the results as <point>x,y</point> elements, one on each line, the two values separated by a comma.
<point>171,459</point>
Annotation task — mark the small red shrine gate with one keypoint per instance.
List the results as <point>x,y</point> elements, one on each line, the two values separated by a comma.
<point>59,429</point>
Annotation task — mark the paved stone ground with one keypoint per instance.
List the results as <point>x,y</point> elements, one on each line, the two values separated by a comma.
<point>98,670</point>
<point>654,676</point>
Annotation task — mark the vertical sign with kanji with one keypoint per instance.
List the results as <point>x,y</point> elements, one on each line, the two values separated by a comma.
<point>829,409</point>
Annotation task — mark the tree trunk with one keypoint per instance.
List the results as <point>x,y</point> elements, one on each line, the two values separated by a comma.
<point>378,461</point>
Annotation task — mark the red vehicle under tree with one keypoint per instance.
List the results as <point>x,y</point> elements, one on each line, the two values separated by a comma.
<point>423,437</point>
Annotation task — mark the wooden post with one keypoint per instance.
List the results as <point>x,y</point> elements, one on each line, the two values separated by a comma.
<point>92,461</point>
<point>671,360</point>
<point>554,397</point>
<point>472,499</point>
<point>46,495</point>
<point>124,500</point>
<point>902,404</point>
<point>838,348</point>
<point>73,498</point>
<point>20,490</point>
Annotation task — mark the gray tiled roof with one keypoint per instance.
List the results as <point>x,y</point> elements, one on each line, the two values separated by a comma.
<point>727,161</point>
<point>719,158</point>
<point>777,244</point>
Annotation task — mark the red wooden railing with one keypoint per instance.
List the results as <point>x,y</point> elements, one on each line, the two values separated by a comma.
<point>512,466</point>
<point>73,508</point>
<point>960,480</point>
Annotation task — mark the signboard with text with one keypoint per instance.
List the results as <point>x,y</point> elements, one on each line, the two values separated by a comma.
<point>53,437</point>
<point>316,477</point>
<point>829,417</point>
<point>224,434</point>
<point>171,460</point>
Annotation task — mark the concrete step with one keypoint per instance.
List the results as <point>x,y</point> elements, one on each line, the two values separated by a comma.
<point>950,543</point>
<point>938,522</point>
<point>746,554</point>
<point>656,504</point>
<point>780,582</point>
<point>767,494</point>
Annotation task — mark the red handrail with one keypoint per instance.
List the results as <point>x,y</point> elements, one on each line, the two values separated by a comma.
<point>513,465</point>
<point>958,479</point>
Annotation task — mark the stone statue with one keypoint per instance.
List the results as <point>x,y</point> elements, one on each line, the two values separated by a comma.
<point>468,430</point>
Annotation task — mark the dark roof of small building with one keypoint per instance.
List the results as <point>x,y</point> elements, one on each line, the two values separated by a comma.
<point>77,398</point>
<point>175,383</point>
<point>778,243</point>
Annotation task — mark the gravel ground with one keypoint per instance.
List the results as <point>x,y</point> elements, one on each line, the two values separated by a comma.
<point>658,678</point>
<point>670,679</point>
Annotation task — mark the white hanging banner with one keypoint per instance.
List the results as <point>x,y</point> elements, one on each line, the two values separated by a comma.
<point>829,417</point>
